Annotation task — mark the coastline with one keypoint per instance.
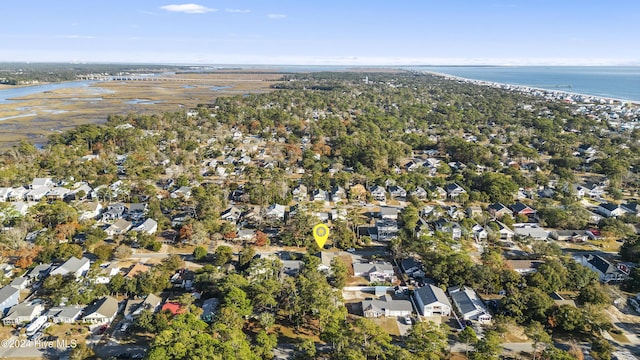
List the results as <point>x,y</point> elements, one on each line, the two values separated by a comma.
<point>529,89</point>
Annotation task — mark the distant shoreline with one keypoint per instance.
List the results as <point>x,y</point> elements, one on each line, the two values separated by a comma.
<point>635,103</point>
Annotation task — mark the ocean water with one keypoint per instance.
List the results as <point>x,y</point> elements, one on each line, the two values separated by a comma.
<point>615,82</point>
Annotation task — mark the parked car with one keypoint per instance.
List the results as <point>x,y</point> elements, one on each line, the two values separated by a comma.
<point>408,320</point>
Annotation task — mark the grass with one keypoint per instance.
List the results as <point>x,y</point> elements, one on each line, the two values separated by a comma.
<point>390,325</point>
<point>77,107</point>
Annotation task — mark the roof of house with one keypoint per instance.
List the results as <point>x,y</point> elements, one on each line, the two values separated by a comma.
<point>7,292</point>
<point>601,264</point>
<point>466,300</point>
<point>39,270</point>
<point>524,264</point>
<point>453,187</point>
<point>69,312</point>
<point>72,265</point>
<point>174,308</point>
<point>387,303</point>
<point>137,269</point>
<point>106,307</point>
<point>498,207</point>
<point>431,294</point>
<point>609,206</point>
<point>519,207</point>
<point>24,309</point>
<point>369,268</point>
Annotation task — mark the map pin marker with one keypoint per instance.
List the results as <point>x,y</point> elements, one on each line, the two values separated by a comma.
<point>320,233</point>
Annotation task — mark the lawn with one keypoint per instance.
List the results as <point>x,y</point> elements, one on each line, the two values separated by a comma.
<point>390,325</point>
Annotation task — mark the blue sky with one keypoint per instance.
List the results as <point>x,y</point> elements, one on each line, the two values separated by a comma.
<point>358,32</point>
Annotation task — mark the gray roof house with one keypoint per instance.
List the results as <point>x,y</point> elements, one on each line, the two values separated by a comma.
<point>103,311</point>
<point>375,272</point>
<point>22,313</point>
<point>469,305</point>
<point>432,301</point>
<point>606,271</point>
<point>9,296</point>
<point>135,307</point>
<point>75,266</point>
<point>64,314</point>
<point>120,227</point>
<point>21,283</point>
<point>387,307</point>
<point>149,226</point>
<point>39,272</point>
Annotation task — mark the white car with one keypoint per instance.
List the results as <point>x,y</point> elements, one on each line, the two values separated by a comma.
<point>408,320</point>
<point>351,250</point>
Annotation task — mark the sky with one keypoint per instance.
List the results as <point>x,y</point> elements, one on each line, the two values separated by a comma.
<point>327,32</point>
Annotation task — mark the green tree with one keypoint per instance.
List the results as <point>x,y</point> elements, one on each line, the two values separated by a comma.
<point>538,335</point>
<point>489,347</point>
<point>594,293</point>
<point>426,340</point>
<point>199,253</point>
<point>338,273</point>
<point>468,336</point>
<point>223,255</point>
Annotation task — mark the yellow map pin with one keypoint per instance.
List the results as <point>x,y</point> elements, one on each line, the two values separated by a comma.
<point>320,233</point>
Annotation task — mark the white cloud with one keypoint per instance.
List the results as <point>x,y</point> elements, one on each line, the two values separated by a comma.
<point>276,16</point>
<point>238,11</point>
<point>188,8</point>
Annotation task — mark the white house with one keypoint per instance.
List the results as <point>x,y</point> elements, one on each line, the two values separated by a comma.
<point>149,226</point>
<point>120,227</point>
<point>9,296</point>
<point>275,211</point>
<point>103,311</point>
<point>610,210</point>
<point>64,314</point>
<point>469,305</point>
<point>75,266</point>
<point>606,271</point>
<point>387,307</point>
<point>432,301</point>
<point>382,272</point>
<point>378,193</point>
<point>22,313</point>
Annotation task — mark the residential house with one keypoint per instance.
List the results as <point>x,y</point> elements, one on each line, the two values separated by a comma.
<point>319,195</point>
<point>420,193</point>
<point>589,189</point>
<point>42,183</point>
<point>276,212</point>
<point>81,191</point>
<point>114,212</point>
<point>454,190</point>
<point>291,267</point>
<point>498,210</point>
<point>57,193</point>
<point>103,311</point>
<point>387,307</point>
<point>6,270</point>
<point>17,194</point>
<point>74,266</point>
<point>423,228</point>
<point>9,296</point>
<point>378,193</point>
<point>246,234</point>
<point>607,272</point>
<point>376,272</point>
<point>586,150</point>
<point>631,207</point>
<point>528,230</point>
<point>610,210</point>
<point>209,309</point>
<point>300,193</point>
<point>21,283</point>
<point>120,227</point>
<point>522,209</point>
<point>20,207</point>
<point>4,193</point>
<point>135,307</point>
<point>449,227</point>
<point>183,192</point>
<point>546,193</point>
<point>388,213</point>
<point>89,210</point>
<point>474,211</point>
<point>137,211</point>
<point>397,192</point>
<point>39,272</point>
<point>386,229</point>
<point>174,308</point>
<point>479,233</point>
<point>22,313</point>
<point>37,194</point>
<point>432,301</point>
<point>338,193</point>
<point>411,166</point>
<point>149,226</point>
<point>231,215</point>
<point>504,231</point>
<point>524,267</point>
<point>570,235</point>
<point>106,273</point>
<point>136,269</point>
<point>469,305</point>
<point>64,314</point>
<point>438,193</point>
